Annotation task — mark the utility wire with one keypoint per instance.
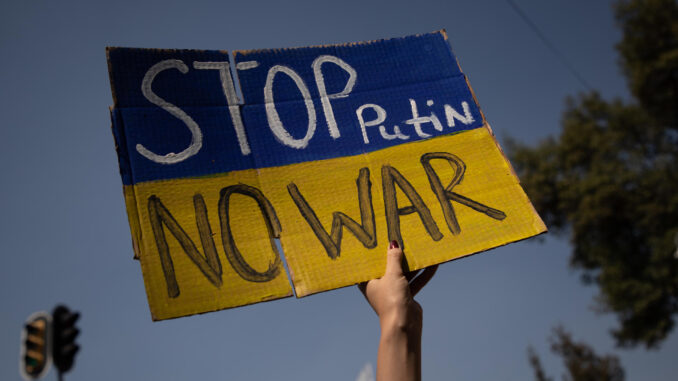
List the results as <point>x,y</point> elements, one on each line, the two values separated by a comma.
<point>549,45</point>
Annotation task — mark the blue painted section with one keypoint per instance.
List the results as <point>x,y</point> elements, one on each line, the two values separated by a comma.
<point>121,146</point>
<point>380,64</point>
<point>162,133</point>
<point>395,101</point>
<point>390,73</point>
<point>128,66</point>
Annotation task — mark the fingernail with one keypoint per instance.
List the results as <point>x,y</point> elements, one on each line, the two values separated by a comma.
<point>393,245</point>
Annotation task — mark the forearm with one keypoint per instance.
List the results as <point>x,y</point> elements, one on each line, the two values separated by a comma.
<point>399,356</point>
<point>400,318</point>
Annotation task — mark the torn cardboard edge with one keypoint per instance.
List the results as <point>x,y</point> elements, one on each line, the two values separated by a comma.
<point>132,204</point>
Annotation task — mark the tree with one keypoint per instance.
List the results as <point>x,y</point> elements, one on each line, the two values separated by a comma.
<point>535,363</point>
<point>610,180</point>
<point>581,361</point>
<point>649,54</point>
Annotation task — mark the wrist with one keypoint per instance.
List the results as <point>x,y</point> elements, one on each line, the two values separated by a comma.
<point>407,323</point>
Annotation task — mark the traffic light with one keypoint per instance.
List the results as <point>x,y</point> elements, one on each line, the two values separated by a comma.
<point>34,360</point>
<point>64,333</point>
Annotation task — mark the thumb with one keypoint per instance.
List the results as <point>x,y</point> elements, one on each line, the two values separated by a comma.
<point>394,258</point>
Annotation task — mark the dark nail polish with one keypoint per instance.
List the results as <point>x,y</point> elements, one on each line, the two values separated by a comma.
<point>394,245</point>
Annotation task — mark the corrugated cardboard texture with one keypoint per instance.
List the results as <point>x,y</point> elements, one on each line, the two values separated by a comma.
<point>336,150</point>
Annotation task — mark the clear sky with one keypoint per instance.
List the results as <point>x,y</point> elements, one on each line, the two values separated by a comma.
<point>64,230</point>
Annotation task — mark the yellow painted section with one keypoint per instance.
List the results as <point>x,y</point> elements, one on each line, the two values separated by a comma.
<point>132,217</point>
<point>197,294</point>
<point>328,186</point>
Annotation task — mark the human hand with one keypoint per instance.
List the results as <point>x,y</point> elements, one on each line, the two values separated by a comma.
<point>400,317</point>
<point>392,296</point>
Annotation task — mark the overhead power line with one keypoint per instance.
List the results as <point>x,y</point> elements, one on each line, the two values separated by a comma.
<point>561,57</point>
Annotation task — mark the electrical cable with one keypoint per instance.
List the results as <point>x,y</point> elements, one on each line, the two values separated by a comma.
<point>549,45</point>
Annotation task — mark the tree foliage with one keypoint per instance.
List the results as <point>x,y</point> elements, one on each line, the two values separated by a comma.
<point>610,180</point>
<point>581,361</point>
<point>649,54</point>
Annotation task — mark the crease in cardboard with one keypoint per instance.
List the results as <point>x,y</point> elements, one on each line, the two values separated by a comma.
<point>327,182</point>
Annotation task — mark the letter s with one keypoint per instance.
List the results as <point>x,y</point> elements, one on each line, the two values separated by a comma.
<point>196,134</point>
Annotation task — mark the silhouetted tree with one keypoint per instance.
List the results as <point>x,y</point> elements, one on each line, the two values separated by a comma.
<point>581,361</point>
<point>535,363</point>
<point>610,180</point>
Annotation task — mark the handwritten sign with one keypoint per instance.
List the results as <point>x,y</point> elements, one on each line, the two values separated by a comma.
<point>335,150</point>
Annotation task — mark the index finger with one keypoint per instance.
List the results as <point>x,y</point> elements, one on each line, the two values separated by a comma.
<point>419,282</point>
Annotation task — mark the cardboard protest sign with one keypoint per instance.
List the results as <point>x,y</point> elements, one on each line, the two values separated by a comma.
<point>335,150</point>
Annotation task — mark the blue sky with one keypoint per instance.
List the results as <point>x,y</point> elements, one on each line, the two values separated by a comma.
<point>66,239</point>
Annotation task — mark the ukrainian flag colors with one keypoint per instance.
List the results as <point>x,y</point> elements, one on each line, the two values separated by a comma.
<point>334,150</point>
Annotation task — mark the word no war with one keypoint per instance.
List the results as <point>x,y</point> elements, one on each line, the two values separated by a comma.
<point>276,126</point>
<point>364,231</point>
